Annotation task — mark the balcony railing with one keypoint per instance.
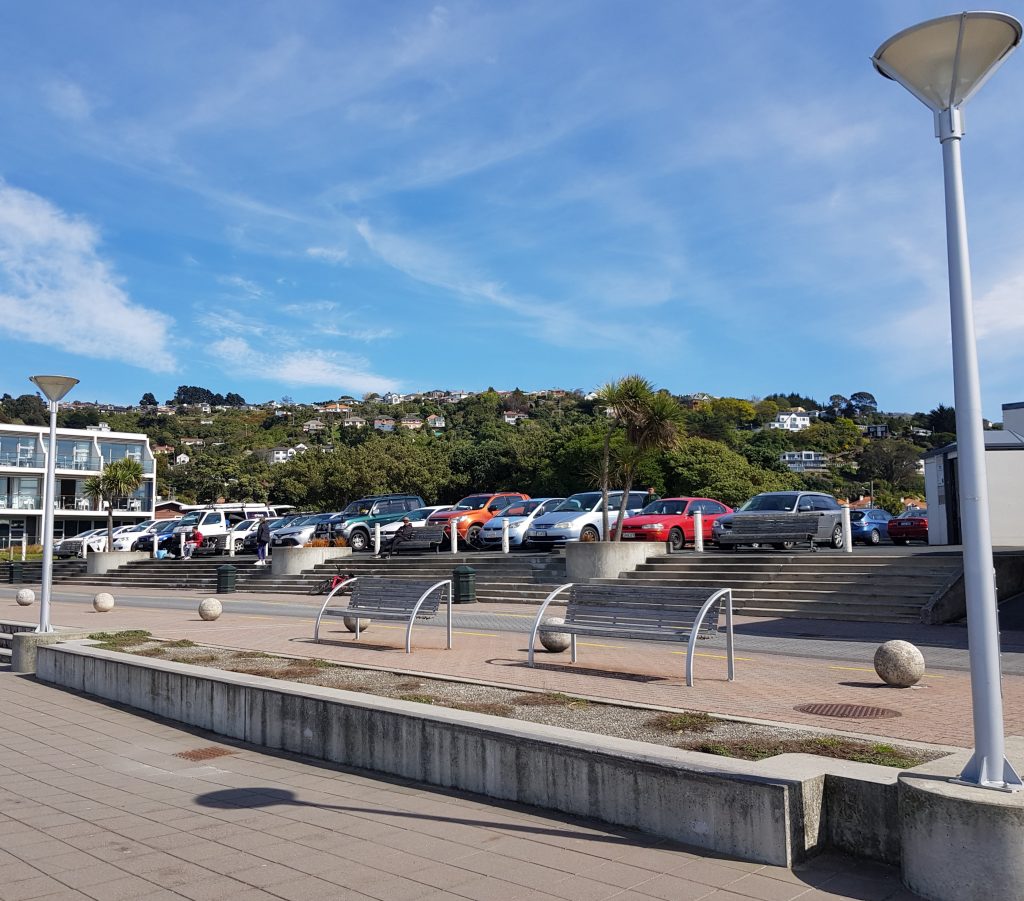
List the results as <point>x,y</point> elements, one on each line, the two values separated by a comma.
<point>23,460</point>
<point>90,464</point>
<point>21,502</point>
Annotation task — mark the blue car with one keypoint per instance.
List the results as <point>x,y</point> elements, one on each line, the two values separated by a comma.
<point>869,526</point>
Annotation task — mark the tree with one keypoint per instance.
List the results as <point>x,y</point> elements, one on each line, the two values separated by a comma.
<point>831,437</point>
<point>890,460</point>
<point>28,409</point>
<point>703,468</point>
<point>942,419</point>
<point>148,400</point>
<point>119,479</point>
<point>234,400</point>
<point>862,403</point>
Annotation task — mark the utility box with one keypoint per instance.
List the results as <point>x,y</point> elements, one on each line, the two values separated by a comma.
<point>227,575</point>
<point>16,572</point>
<point>464,585</point>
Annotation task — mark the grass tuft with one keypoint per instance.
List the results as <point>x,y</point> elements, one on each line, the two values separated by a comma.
<point>419,699</point>
<point>180,643</point>
<point>494,708</point>
<point>824,746</point>
<point>686,721</point>
<point>551,699</point>
<point>118,641</point>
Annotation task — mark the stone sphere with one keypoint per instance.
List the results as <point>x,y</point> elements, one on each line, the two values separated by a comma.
<point>210,609</point>
<point>350,623</point>
<point>25,597</point>
<point>554,641</point>
<point>899,663</point>
<point>103,602</point>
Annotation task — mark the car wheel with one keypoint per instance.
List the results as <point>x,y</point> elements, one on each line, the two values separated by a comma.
<point>836,541</point>
<point>784,545</point>
<point>899,541</point>
<point>358,540</point>
<point>589,533</point>
<point>676,539</point>
<point>875,537</point>
<point>473,536</point>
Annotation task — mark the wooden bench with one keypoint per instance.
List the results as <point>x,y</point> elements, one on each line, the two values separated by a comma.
<point>776,529</point>
<point>424,537</point>
<point>641,613</point>
<point>407,600</point>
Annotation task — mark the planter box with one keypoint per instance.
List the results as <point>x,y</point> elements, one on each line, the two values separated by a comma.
<point>99,562</point>
<point>290,561</point>
<point>606,559</point>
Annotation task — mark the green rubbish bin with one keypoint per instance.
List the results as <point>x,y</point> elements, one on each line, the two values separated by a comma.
<point>464,584</point>
<point>15,573</point>
<point>227,575</point>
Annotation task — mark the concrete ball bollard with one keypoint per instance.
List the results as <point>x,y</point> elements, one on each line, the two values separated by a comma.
<point>554,641</point>
<point>103,602</point>
<point>350,623</point>
<point>899,664</point>
<point>210,609</point>
<point>25,597</point>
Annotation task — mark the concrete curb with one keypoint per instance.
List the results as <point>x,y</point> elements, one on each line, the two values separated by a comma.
<point>776,811</point>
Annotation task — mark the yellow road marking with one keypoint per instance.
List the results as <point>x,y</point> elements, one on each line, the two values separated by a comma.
<point>715,656</point>
<point>454,631</point>
<point>864,669</point>
<point>587,644</point>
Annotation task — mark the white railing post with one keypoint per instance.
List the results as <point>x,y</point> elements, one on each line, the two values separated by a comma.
<point>376,538</point>
<point>698,532</point>
<point>231,542</point>
<point>85,548</point>
<point>504,535</point>
<point>24,547</point>
<point>154,536</point>
<point>181,545</point>
<point>455,535</point>
<point>847,530</point>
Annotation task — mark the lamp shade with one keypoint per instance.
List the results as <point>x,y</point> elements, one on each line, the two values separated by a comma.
<point>54,387</point>
<point>942,62</point>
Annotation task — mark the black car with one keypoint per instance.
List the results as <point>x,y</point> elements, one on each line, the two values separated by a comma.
<point>166,539</point>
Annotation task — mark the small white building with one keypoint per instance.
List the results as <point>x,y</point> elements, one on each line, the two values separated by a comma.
<point>792,421</point>
<point>413,423</point>
<point>804,461</point>
<point>181,459</point>
<point>354,422</point>
<point>384,424</point>
<point>313,425</point>
<point>392,399</point>
<point>514,418</point>
<point>435,421</point>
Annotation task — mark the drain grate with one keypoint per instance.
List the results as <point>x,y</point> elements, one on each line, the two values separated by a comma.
<point>208,753</point>
<point>848,711</point>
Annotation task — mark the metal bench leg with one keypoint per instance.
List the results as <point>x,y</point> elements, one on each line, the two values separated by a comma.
<point>572,647</point>
<point>540,616</point>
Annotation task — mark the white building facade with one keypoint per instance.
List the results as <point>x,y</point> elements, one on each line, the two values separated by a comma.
<point>81,454</point>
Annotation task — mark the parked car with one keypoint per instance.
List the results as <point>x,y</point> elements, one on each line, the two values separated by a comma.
<point>870,525</point>
<point>519,516</point>
<point>163,535</point>
<point>92,539</point>
<point>910,525</point>
<point>830,529</point>
<point>417,519</point>
<point>297,533</point>
<point>472,512</point>
<point>276,522</point>
<point>357,528</point>
<point>241,530</point>
<point>670,519</point>
<point>126,539</point>
<point>579,518</point>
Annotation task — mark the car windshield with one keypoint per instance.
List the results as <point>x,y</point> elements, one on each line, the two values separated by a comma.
<point>913,514</point>
<point>168,526</point>
<point>320,517</point>
<point>523,509</point>
<point>664,508</point>
<point>774,502</point>
<point>299,521</point>
<point>473,502</point>
<point>578,503</point>
<point>422,513</point>
<point>190,519</point>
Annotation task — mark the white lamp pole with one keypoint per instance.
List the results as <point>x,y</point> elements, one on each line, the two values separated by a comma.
<point>54,387</point>
<point>943,62</point>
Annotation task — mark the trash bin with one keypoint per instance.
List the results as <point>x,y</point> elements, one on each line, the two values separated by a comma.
<point>15,573</point>
<point>464,584</point>
<point>226,577</point>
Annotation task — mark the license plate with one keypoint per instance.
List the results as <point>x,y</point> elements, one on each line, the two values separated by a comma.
<point>629,535</point>
<point>540,534</point>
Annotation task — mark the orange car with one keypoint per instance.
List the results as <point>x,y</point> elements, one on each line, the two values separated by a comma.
<point>470,514</point>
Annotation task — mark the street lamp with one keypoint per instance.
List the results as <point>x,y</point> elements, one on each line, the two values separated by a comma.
<point>943,62</point>
<point>54,387</point>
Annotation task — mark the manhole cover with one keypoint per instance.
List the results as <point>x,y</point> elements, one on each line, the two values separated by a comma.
<point>204,753</point>
<point>848,711</point>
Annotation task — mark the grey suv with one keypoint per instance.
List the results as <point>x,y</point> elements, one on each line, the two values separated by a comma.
<point>830,529</point>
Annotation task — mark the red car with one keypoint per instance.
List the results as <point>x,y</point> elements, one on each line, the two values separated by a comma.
<point>910,525</point>
<point>671,519</point>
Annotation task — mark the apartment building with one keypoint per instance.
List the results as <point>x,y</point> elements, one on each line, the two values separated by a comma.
<point>81,454</point>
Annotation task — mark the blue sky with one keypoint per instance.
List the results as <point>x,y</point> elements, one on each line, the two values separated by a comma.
<point>324,198</point>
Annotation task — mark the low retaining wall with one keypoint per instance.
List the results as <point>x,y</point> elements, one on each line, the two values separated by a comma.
<point>949,603</point>
<point>605,559</point>
<point>99,562</point>
<point>290,561</point>
<point>729,806</point>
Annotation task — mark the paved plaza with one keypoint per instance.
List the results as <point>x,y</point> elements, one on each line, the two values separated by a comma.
<point>100,803</point>
<point>781,664</point>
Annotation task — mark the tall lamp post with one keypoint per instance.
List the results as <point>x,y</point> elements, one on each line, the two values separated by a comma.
<point>54,387</point>
<point>943,62</point>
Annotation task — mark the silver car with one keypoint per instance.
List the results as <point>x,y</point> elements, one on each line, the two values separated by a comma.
<point>580,518</point>
<point>520,516</point>
<point>830,528</point>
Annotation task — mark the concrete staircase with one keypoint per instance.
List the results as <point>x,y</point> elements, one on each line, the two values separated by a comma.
<point>32,571</point>
<point>7,630</point>
<point>870,587</point>
<point>512,578</point>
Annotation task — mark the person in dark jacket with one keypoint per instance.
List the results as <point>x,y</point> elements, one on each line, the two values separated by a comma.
<point>404,533</point>
<point>262,540</point>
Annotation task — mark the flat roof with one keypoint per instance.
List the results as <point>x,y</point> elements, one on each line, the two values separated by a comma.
<point>71,433</point>
<point>995,439</point>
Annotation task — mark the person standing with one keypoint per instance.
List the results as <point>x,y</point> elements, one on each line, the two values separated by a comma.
<point>262,541</point>
<point>652,496</point>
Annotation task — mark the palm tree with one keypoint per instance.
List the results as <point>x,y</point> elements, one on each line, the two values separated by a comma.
<point>119,479</point>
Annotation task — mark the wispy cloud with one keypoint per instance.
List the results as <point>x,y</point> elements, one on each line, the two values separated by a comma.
<point>243,286</point>
<point>67,100</point>
<point>303,367</point>
<point>57,290</point>
<point>328,254</point>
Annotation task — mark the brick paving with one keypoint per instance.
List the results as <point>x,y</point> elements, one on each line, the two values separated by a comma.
<point>768,686</point>
<point>95,803</point>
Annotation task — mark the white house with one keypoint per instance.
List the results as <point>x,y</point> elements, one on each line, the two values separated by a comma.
<point>513,418</point>
<point>804,460</point>
<point>793,421</point>
<point>313,425</point>
<point>411,422</point>
<point>181,459</point>
<point>354,422</point>
<point>392,399</point>
<point>435,421</point>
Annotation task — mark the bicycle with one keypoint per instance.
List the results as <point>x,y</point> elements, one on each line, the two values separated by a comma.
<point>326,586</point>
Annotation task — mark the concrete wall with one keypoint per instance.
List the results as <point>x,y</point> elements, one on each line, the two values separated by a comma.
<point>606,559</point>
<point>949,604</point>
<point>290,561</point>
<point>99,562</point>
<point>730,806</point>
